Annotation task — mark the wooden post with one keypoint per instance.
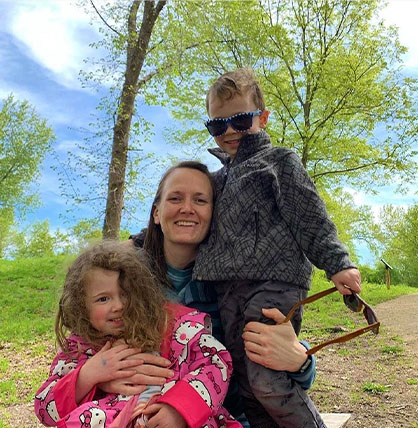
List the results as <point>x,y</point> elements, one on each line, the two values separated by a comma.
<point>387,272</point>
<point>388,268</point>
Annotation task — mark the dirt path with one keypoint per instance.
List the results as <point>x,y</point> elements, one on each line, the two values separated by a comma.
<point>375,378</point>
<point>387,362</point>
<point>400,317</point>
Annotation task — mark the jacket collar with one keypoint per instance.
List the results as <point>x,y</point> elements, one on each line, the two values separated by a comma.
<point>249,145</point>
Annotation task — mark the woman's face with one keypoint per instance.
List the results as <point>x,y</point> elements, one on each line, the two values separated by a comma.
<point>184,211</point>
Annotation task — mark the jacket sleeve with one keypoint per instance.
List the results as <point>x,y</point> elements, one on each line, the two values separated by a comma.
<point>201,388</point>
<point>56,397</point>
<point>307,378</point>
<point>307,218</point>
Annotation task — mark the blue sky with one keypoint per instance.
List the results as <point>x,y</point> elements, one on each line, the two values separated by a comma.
<point>42,47</point>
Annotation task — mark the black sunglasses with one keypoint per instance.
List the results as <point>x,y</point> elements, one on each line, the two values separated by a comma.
<point>240,122</point>
<point>355,303</point>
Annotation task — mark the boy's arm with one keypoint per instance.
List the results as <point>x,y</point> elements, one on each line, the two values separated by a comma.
<point>307,218</point>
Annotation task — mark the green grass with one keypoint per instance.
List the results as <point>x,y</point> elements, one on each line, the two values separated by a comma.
<point>373,388</point>
<point>392,349</point>
<point>29,294</point>
<point>29,291</point>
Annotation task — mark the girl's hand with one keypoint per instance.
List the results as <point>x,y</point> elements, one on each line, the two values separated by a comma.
<point>162,415</point>
<point>108,364</point>
<point>274,346</point>
<point>137,411</point>
<point>149,370</point>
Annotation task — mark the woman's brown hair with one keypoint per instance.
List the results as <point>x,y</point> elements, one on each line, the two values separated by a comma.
<point>144,313</point>
<point>154,237</point>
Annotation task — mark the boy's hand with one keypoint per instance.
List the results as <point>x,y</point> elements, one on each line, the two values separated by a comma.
<point>274,346</point>
<point>164,416</point>
<point>347,280</point>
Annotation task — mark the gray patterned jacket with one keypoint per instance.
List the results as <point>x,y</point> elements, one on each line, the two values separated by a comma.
<point>269,222</point>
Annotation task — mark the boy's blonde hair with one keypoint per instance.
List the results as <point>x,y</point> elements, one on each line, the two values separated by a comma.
<point>241,81</point>
<point>144,314</point>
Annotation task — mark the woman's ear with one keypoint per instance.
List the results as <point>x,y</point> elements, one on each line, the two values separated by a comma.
<point>155,215</point>
<point>264,117</point>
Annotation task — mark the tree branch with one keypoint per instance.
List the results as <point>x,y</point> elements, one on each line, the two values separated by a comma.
<point>104,21</point>
<point>341,171</point>
<point>8,172</point>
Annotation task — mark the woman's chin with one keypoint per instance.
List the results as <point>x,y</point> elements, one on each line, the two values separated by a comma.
<point>187,239</point>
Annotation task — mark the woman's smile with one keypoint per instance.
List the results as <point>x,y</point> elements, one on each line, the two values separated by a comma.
<point>185,209</point>
<point>186,223</point>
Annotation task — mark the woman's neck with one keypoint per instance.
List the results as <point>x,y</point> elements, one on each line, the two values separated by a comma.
<point>179,256</point>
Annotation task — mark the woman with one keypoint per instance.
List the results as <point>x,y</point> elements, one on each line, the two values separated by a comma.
<point>179,221</point>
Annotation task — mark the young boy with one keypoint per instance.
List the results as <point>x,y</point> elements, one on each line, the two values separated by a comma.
<point>269,225</point>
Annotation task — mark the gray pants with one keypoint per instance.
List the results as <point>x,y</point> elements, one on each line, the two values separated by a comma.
<point>271,399</point>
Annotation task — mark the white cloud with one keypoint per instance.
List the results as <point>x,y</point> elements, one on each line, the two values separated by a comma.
<point>54,34</point>
<point>403,14</point>
<point>386,196</point>
<point>67,146</point>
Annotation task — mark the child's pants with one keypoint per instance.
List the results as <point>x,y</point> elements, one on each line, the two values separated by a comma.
<point>271,399</point>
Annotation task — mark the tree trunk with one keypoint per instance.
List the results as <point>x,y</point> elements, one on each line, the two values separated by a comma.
<point>136,52</point>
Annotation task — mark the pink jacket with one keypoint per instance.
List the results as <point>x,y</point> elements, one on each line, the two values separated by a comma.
<point>202,369</point>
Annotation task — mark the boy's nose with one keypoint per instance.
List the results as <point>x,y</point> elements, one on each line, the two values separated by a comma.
<point>229,129</point>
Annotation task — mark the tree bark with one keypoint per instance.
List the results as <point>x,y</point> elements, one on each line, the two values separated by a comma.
<point>137,46</point>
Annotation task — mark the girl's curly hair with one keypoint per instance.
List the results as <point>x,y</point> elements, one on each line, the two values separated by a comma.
<point>144,314</point>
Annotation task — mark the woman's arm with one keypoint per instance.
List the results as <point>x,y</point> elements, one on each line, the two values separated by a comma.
<point>277,347</point>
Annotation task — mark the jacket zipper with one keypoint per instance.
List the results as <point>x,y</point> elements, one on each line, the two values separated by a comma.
<point>256,214</point>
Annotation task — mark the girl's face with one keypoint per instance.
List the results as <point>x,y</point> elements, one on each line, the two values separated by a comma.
<point>184,211</point>
<point>105,301</point>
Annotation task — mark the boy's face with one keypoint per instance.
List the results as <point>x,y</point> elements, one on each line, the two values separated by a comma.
<point>221,109</point>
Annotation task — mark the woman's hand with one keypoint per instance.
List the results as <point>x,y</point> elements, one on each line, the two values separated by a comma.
<point>274,346</point>
<point>162,415</point>
<point>149,369</point>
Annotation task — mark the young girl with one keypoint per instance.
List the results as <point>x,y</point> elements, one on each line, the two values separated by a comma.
<point>112,307</point>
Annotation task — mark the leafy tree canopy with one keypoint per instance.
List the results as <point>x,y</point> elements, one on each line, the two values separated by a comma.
<point>332,78</point>
<point>399,237</point>
<point>25,138</point>
<point>330,70</point>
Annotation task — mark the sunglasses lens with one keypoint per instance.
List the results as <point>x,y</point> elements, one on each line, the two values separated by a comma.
<point>352,302</point>
<point>242,122</point>
<point>216,127</point>
<point>371,318</point>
